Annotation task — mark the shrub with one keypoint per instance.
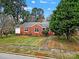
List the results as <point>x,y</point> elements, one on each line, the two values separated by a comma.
<point>45,32</point>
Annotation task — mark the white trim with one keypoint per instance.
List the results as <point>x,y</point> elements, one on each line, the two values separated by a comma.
<point>17,30</point>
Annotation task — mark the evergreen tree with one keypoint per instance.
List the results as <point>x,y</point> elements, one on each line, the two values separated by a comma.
<point>37,12</point>
<point>65,18</point>
<point>25,15</point>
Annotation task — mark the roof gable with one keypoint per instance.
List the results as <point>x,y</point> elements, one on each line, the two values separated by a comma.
<point>30,24</point>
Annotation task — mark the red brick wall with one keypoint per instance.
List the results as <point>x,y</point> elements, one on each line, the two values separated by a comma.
<point>50,33</point>
<point>25,32</point>
<point>31,31</point>
<point>36,33</point>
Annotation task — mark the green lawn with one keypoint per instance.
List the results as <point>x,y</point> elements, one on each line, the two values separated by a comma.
<point>21,40</point>
<point>24,45</point>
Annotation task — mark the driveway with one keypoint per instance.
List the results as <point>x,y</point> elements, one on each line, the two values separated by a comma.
<point>11,56</point>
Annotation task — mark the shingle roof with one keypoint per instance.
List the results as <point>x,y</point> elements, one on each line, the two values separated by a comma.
<point>29,24</point>
<point>45,24</point>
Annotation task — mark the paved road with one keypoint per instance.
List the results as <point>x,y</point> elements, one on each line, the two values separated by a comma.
<point>11,56</point>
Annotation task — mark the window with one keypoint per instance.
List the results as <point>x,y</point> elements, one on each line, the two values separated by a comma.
<point>26,29</point>
<point>36,30</point>
<point>43,28</point>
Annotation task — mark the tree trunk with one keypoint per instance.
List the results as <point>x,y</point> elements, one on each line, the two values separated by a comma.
<point>1,33</point>
<point>68,35</point>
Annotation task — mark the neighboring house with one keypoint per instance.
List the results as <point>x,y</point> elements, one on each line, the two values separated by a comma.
<point>33,28</point>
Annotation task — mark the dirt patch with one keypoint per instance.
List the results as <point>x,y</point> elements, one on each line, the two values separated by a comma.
<point>67,46</point>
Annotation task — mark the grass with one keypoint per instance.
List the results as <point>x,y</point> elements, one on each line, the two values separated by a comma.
<point>21,41</point>
<point>65,56</point>
<point>76,57</point>
<point>14,43</point>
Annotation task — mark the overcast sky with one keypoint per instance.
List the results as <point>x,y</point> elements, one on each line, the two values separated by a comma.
<point>47,5</point>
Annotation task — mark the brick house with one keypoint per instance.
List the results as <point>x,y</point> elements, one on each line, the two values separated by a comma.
<point>33,28</point>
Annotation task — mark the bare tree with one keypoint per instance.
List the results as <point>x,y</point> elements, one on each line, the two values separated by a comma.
<point>6,24</point>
